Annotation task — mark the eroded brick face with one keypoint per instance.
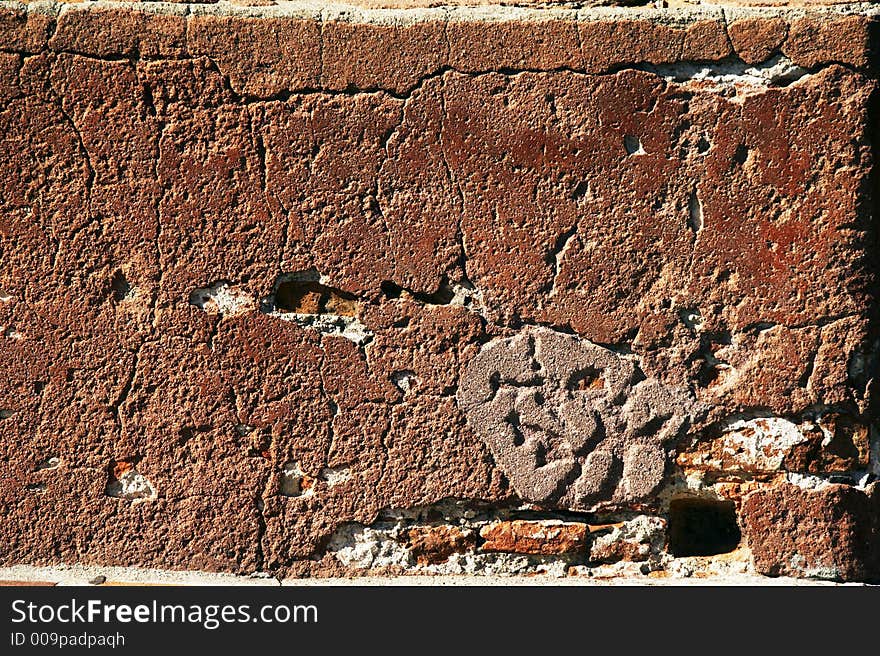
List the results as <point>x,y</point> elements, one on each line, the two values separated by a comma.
<point>251,298</point>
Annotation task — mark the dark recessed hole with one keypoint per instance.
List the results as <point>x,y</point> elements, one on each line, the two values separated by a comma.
<point>39,386</point>
<point>120,286</point>
<point>580,190</point>
<point>540,456</point>
<point>52,462</point>
<point>518,438</point>
<point>585,379</point>
<point>443,296</point>
<point>654,426</point>
<point>703,145</point>
<point>310,297</point>
<point>741,154</point>
<point>390,289</point>
<point>632,144</point>
<point>702,527</point>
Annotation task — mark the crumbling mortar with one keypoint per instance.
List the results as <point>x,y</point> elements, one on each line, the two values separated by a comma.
<point>704,484</point>
<point>384,539</point>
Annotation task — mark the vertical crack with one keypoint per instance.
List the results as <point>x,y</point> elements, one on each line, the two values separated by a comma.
<point>161,125</point>
<point>125,392</point>
<point>555,256</point>
<point>321,82</point>
<point>462,259</point>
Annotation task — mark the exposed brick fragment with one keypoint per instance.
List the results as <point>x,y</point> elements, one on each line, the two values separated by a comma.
<point>829,533</point>
<point>393,57</point>
<point>756,39</point>
<point>120,32</point>
<point>815,40</point>
<point>533,537</point>
<point>261,56</point>
<point>435,544</point>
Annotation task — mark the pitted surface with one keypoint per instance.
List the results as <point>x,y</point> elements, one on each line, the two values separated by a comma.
<point>570,422</point>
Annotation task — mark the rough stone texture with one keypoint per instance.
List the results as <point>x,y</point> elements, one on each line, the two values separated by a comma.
<point>833,532</point>
<point>755,39</point>
<point>570,422</point>
<point>266,272</point>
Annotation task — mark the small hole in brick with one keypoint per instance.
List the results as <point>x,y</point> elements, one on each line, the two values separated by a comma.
<point>513,419</point>
<point>405,380</point>
<point>120,287</point>
<point>539,398</point>
<point>540,456</point>
<point>581,189</point>
<point>39,386</point>
<point>585,379</point>
<point>443,295</point>
<point>294,482</point>
<point>695,212</point>
<point>633,145</point>
<point>244,429</point>
<point>741,154</point>
<point>702,527</point>
<point>310,297</point>
<point>49,463</point>
<point>703,145</point>
<point>691,318</point>
<point>390,289</point>
<point>184,435</point>
<point>125,482</point>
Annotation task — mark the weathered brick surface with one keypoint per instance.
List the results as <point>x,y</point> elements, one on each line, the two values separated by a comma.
<point>455,189</point>
<point>829,533</point>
